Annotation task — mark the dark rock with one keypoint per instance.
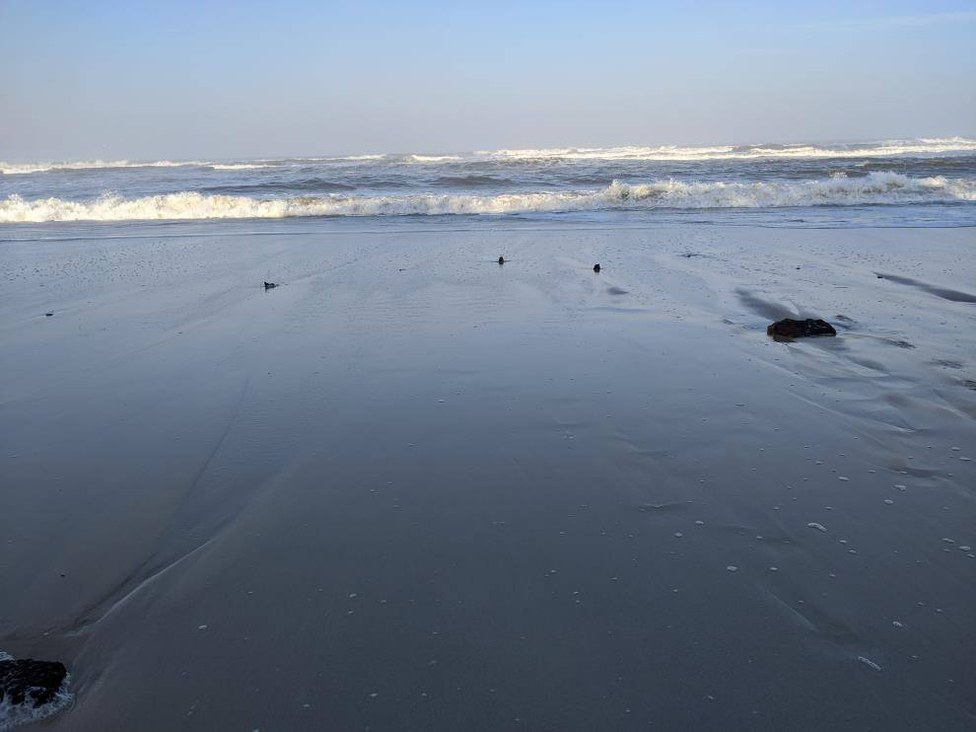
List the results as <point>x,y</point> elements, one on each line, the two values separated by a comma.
<point>788,329</point>
<point>49,315</point>
<point>270,285</point>
<point>596,267</point>
<point>29,682</point>
<point>501,260</point>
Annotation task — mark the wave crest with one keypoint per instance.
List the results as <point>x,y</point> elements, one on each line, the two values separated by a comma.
<point>922,147</point>
<point>24,168</point>
<point>885,148</point>
<point>873,189</point>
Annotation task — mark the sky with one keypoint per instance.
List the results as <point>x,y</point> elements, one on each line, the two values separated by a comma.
<point>146,80</point>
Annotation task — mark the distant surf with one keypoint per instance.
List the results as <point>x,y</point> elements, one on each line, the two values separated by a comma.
<point>931,180</point>
<point>795,151</point>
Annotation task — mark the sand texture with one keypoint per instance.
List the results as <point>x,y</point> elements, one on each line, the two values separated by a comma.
<point>413,489</point>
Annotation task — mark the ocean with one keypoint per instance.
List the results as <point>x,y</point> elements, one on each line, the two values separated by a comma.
<point>922,182</point>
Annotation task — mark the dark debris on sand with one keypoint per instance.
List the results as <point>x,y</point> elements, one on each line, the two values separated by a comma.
<point>29,682</point>
<point>788,329</point>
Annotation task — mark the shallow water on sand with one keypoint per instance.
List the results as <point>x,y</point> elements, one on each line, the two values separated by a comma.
<point>413,489</point>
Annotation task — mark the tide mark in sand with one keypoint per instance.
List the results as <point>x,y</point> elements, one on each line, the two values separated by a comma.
<point>817,621</point>
<point>156,564</point>
<point>943,292</point>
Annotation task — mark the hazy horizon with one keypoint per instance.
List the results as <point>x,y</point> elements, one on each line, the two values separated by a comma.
<point>179,82</point>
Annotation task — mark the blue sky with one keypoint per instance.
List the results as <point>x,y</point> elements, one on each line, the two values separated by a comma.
<point>153,80</point>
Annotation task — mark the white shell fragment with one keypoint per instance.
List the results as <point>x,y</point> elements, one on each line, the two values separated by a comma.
<point>868,662</point>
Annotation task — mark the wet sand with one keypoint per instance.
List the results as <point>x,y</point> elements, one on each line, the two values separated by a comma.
<point>411,489</point>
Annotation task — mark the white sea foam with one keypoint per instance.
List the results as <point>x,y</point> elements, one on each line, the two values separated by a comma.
<point>239,166</point>
<point>23,168</point>
<point>886,148</point>
<point>874,189</point>
<point>354,158</point>
<point>432,158</point>
<point>15,715</point>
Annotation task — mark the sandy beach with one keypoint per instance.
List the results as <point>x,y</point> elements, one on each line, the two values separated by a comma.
<point>412,489</point>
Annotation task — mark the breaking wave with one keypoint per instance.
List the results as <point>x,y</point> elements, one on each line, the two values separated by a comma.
<point>240,166</point>
<point>431,158</point>
<point>886,148</point>
<point>23,168</point>
<point>878,188</point>
<point>923,147</point>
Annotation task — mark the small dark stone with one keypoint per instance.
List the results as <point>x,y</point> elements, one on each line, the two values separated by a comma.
<point>49,315</point>
<point>501,260</point>
<point>596,267</point>
<point>270,285</point>
<point>30,682</point>
<point>788,329</point>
